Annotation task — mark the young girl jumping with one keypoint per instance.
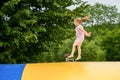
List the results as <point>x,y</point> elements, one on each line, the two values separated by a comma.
<point>80,32</point>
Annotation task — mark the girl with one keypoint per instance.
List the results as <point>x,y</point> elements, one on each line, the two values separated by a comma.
<point>80,32</point>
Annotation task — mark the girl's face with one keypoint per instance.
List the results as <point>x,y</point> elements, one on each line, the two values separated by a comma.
<point>76,23</point>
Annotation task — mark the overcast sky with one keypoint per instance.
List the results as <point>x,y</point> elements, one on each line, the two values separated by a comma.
<point>107,2</point>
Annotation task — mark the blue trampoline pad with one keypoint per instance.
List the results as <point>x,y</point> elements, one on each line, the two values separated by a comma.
<point>11,71</point>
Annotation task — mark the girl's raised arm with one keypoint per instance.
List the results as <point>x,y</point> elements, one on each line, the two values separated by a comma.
<point>85,18</point>
<point>88,34</point>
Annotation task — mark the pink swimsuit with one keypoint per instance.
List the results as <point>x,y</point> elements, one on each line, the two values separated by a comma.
<point>79,35</point>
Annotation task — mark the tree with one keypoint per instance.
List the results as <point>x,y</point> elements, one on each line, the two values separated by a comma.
<point>30,30</point>
<point>111,43</point>
<point>2,2</point>
<point>102,14</point>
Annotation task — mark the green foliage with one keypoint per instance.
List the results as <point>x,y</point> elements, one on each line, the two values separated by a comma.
<point>6,57</point>
<point>30,30</point>
<point>111,43</point>
<point>92,52</point>
<point>102,14</point>
<point>65,48</point>
<point>42,31</point>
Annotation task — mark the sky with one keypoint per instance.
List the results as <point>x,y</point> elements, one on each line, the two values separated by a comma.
<point>106,2</point>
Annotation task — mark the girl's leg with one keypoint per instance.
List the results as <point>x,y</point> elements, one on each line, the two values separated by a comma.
<point>79,50</point>
<point>73,51</point>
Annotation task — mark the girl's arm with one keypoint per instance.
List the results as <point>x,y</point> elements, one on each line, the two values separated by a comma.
<point>88,34</point>
<point>85,18</point>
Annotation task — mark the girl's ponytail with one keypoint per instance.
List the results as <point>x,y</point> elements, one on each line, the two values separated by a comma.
<point>80,20</point>
<point>85,18</point>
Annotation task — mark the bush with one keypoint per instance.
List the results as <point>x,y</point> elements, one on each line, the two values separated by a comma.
<point>111,43</point>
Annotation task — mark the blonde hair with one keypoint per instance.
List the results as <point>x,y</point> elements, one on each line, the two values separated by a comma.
<point>80,20</point>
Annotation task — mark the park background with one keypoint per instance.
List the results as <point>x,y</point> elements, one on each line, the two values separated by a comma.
<point>33,31</point>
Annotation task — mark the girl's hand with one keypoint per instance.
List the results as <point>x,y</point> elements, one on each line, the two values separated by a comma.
<point>88,34</point>
<point>87,17</point>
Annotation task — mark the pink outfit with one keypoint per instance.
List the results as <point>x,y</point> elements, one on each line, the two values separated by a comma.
<point>79,35</point>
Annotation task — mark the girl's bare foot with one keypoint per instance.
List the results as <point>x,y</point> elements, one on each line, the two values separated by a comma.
<point>78,58</point>
<point>70,56</point>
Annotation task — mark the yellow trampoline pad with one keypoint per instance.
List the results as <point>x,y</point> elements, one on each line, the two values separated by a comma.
<point>72,71</point>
